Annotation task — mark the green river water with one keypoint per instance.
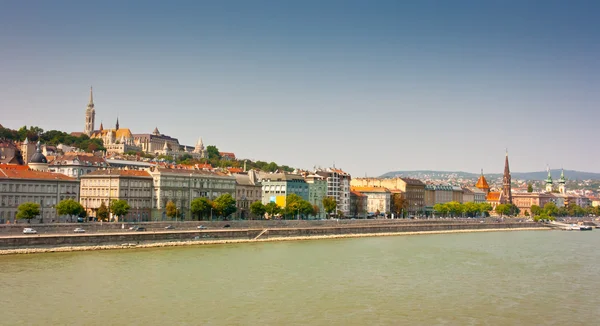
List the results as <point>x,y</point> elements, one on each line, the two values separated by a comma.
<point>495,278</point>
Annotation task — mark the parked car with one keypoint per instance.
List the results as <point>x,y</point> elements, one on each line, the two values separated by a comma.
<point>29,231</point>
<point>79,230</point>
<point>169,227</point>
<point>201,227</point>
<point>140,228</point>
<point>227,226</point>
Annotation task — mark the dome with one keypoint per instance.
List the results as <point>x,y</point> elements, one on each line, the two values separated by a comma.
<point>38,157</point>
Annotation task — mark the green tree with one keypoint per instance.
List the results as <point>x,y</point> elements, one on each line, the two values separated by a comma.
<point>171,209</point>
<point>102,213</point>
<point>69,207</point>
<point>536,210</point>
<point>471,209</point>
<point>306,208</point>
<point>224,205</point>
<point>485,208</point>
<point>441,209</point>
<point>503,209</point>
<point>213,152</point>
<point>201,207</point>
<point>272,209</point>
<point>527,213</point>
<point>550,209</point>
<point>575,210</point>
<point>329,204</point>
<point>258,209</point>
<point>530,188</point>
<point>455,208</point>
<point>120,207</point>
<point>27,211</point>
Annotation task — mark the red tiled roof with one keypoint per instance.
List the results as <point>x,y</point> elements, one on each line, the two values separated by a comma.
<point>482,183</point>
<point>23,172</point>
<point>227,154</point>
<point>235,170</point>
<point>369,189</point>
<point>356,193</point>
<point>493,196</point>
<point>122,173</point>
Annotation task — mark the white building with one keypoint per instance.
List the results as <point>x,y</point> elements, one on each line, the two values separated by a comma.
<point>338,187</point>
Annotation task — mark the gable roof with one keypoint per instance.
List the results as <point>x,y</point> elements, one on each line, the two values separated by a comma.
<point>10,171</point>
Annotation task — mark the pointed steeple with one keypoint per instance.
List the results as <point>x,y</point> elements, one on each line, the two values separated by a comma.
<point>117,125</point>
<point>156,132</point>
<point>101,126</point>
<point>562,179</point>
<point>482,183</point>
<point>549,178</point>
<point>91,103</point>
<point>506,182</point>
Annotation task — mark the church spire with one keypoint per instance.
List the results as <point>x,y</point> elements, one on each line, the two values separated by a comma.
<point>506,182</point>
<point>91,103</point>
<point>117,125</point>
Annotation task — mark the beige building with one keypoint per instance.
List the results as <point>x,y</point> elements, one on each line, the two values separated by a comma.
<point>20,184</point>
<point>457,194</point>
<point>468,196</point>
<point>104,186</point>
<point>412,190</point>
<point>182,186</point>
<point>524,201</point>
<point>378,198</point>
<point>247,191</point>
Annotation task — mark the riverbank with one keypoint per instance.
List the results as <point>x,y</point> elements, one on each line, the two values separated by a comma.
<point>231,241</point>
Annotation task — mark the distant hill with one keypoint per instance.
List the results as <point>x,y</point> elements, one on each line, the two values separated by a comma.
<point>443,175</point>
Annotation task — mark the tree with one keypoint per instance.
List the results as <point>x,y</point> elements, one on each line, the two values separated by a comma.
<point>441,209</point>
<point>503,209</point>
<point>69,207</point>
<point>306,208</point>
<point>201,207</point>
<point>316,210</point>
<point>575,210</point>
<point>119,207</point>
<point>454,208</point>
<point>329,204</point>
<point>27,211</point>
<point>530,188</point>
<point>399,204</point>
<point>272,209</point>
<point>550,209</point>
<point>224,205</point>
<point>102,213</point>
<point>527,213</point>
<point>536,210</point>
<point>257,208</point>
<point>471,209</point>
<point>213,152</point>
<point>171,209</point>
<point>485,208</point>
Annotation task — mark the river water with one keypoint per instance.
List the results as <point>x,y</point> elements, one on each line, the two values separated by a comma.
<point>495,278</point>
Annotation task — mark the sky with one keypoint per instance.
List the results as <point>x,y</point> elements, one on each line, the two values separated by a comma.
<point>370,86</point>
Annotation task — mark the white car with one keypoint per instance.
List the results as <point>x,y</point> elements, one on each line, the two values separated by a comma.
<point>29,231</point>
<point>79,230</point>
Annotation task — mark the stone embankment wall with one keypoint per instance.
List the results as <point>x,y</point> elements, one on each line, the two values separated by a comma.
<point>96,227</point>
<point>225,234</point>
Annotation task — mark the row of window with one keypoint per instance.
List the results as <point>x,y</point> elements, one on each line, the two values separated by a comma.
<point>50,188</point>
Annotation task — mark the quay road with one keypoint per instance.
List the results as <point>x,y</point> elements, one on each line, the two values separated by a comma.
<point>192,226</point>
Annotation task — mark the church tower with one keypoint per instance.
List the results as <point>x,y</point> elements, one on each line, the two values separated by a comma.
<point>90,116</point>
<point>506,180</point>
<point>482,184</point>
<point>549,183</point>
<point>562,183</point>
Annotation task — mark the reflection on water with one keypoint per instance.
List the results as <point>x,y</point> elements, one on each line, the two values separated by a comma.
<point>499,278</point>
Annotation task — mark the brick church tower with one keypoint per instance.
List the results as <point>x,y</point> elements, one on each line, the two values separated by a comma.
<point>506,180</point>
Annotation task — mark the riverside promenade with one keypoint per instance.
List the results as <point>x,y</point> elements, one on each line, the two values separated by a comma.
<point>116,236</point>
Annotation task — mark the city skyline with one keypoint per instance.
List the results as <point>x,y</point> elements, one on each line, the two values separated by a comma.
<point>371,88</point>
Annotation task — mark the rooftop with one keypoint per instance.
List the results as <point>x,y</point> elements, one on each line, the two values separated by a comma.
<point>10,171</point>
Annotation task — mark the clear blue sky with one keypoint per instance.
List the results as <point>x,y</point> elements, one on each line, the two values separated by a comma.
<point>373,86</point>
